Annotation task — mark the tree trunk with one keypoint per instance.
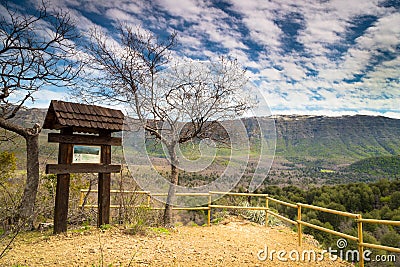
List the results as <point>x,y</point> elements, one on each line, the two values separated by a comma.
<point>167,218</point>
<point>25,212</point>
<point>27,205</point>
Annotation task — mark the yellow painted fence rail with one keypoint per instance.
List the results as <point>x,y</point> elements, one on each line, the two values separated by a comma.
<point>295,221</point>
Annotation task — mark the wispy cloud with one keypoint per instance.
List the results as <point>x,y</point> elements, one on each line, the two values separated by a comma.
<point>310,57</point>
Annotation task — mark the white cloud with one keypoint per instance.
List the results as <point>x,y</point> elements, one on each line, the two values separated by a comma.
<point>188,9</point>
<point>323,26</point>
<point>382,35</point>
<point>293,70</point>
<point>119,15</point>
<point>258,17</point>
<point>271,74</point>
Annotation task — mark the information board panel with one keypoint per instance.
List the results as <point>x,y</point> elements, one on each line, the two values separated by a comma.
<point>86,154</point>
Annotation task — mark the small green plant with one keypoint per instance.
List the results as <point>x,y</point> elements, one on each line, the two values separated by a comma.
<point>257,216</point>
<point>160,230</point>
<point>8,164</point>
<point>82,229</point>
<point>105,227</point>
<point>138,219</point>
<point>272,220</point>
<point>178,224</point>
<point>192,224</point>
<point>219,216</point>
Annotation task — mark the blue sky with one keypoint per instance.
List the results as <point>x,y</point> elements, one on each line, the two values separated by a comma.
<point>307,57</point>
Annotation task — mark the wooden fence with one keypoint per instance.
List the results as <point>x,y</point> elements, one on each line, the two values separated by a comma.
<point>295,221</point>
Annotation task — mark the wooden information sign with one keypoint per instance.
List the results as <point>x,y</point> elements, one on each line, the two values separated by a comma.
<point>89,127</point>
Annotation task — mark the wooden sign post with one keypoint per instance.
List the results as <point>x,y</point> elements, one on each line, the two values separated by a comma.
<point>65,154</point>
<point>97,124</point>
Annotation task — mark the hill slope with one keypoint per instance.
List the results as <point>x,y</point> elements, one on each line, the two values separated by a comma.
<point>386,165</point>
<point>337,139</point>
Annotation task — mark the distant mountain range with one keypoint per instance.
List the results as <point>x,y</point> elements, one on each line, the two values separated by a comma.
<point>305,141</point>
<point>336,139</point>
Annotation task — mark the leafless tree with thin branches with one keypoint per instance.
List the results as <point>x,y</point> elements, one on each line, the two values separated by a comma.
<point>174,105</point>
<point>36,50</point>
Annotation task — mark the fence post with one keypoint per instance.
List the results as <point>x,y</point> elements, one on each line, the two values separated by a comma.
<point>81,198</point>
<point>299,230</point>
<point>148,200</point>
<point>266,211</point>
<point>360,239</point>
<point>209,210</point>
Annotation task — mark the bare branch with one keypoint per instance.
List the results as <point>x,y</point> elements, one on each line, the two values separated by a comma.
<point>174,105</point>
<point>35,50</point>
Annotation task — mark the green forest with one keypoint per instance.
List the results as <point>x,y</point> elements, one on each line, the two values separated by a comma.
<point>378,200</point>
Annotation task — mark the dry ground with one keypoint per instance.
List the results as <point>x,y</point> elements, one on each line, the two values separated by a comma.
<point>231,243</point>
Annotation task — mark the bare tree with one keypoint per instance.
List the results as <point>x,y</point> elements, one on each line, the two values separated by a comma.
<point>176,104</point>
<point>36,50</point>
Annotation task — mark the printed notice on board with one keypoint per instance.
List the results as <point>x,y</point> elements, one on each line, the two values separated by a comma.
<point>86,154</point>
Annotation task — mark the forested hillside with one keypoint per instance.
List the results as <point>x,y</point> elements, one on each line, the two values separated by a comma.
<point>385,166</point>
<point>336,139</point>
<point>378,200</point>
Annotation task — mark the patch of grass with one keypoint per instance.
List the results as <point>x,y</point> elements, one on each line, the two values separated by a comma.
<point>257,216</point>
<point>327,171</point>
<point>33,236</point>
<point>217,220</point>
<point>192,224</point>
<point>219,216</point>
<point>160,230</point>
<point>178,224</point>
<point>105,227</point>
<point>83,229</point>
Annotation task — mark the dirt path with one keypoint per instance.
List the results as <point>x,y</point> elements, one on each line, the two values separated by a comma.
<point>234,243</point>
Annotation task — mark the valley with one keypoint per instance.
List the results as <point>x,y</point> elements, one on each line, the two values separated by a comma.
<point>310,150</point>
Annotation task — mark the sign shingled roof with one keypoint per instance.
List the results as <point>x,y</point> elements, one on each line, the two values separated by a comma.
<point>82,117</point>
